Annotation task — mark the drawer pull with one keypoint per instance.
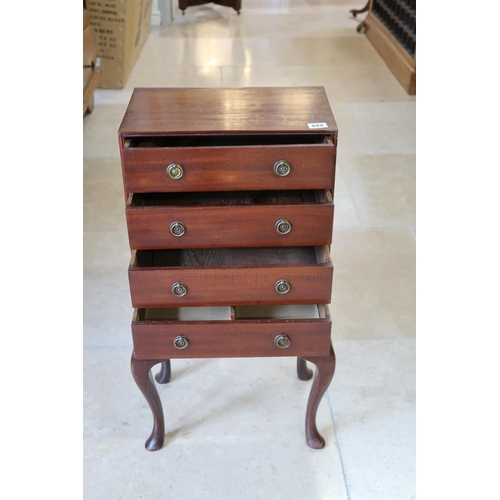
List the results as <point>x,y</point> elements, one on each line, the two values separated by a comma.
<point>281,168</point>
<point>283,226</point>
<point>181,342</point>
<point>282,286</point>
<point>175,171</point>
<point>179,289</point>
<point>177,228</point>
<point>282,341</point>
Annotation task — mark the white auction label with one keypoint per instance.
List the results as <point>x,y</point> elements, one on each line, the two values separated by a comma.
<point>317,125</point>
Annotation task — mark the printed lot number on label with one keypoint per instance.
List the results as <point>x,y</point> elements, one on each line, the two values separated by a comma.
<point>317,125</point>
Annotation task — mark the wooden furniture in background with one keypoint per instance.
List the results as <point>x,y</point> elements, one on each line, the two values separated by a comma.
<point>91,75</point>
<point>355,12</point>
<point>235,4</point>
<point>229,205</point>
<point>390,26</point>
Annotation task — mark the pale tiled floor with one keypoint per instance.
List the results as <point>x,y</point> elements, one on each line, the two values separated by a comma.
<point>235,427</point>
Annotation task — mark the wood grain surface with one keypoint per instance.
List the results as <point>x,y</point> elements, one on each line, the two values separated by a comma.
<point>251,110</point>
<point>228,339</point>
<point>229,226</point>
<point>228,168</point>
<point>229,277</point>
<point>230,257</point>
<point>222,220</point>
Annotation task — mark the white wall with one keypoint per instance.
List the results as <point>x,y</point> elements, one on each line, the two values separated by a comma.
<point>161,12</point>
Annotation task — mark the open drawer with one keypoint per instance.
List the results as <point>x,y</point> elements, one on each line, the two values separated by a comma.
<point>228,163</point>
<point>229,219</point>
<point>226,332</point>
<point>230,276</point>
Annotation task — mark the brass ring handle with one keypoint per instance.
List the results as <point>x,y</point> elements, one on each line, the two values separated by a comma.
<point>175,171</point>
<point>282,286</point>
<point>282,341</point>
<point>177,228</point>
<point>181,342</point>
<point>283,226</point>
<point>281,168</point>
<point>179,289</point>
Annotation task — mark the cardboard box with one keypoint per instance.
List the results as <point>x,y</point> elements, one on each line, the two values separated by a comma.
<point>121,28</point>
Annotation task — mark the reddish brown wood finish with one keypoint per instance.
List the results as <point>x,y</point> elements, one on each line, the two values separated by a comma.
<point>228,168</point>
<point>229,226</point>
<point>215,111</point>
<point>165,373</point>
<point>325,368</point>
<point>213,285</point>
<point>141,371</point>
<point>227,141</point>
<point>231,339</point>
<point>303,372</point>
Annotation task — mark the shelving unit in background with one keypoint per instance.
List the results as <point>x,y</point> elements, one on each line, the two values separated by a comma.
<point>390,26</point>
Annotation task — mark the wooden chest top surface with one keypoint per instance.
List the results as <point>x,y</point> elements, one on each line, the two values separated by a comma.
<point>211,111</point>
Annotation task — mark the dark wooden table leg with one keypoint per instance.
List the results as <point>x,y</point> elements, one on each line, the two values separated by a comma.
<point>141,371</point>
<point>325,368</point>
<point>163,376</point>
<point>303,372</point>
<point>354,12</point>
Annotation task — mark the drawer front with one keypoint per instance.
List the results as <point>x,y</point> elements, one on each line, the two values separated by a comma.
<point>308,284</point>
<point>230,339</point>
<point>219,226</point>
<point>228,168</point>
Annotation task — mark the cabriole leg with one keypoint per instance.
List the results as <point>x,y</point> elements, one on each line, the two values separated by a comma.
<point>303,372</point>
<point>163,376</point>
<point>325,368</point>
<point>141,371</point>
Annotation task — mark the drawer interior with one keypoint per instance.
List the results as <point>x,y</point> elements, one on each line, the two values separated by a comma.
<point>230,257</point>
<point>293,197</point>
<point>227,140</point>
<point>305,311</point>
<point>184,314</point>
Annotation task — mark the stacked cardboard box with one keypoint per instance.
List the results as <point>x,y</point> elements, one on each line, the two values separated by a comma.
<point>91,74</point>
<point>121,28</point>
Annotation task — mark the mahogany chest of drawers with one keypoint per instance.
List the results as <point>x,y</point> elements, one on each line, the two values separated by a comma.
<point>229,209</point>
